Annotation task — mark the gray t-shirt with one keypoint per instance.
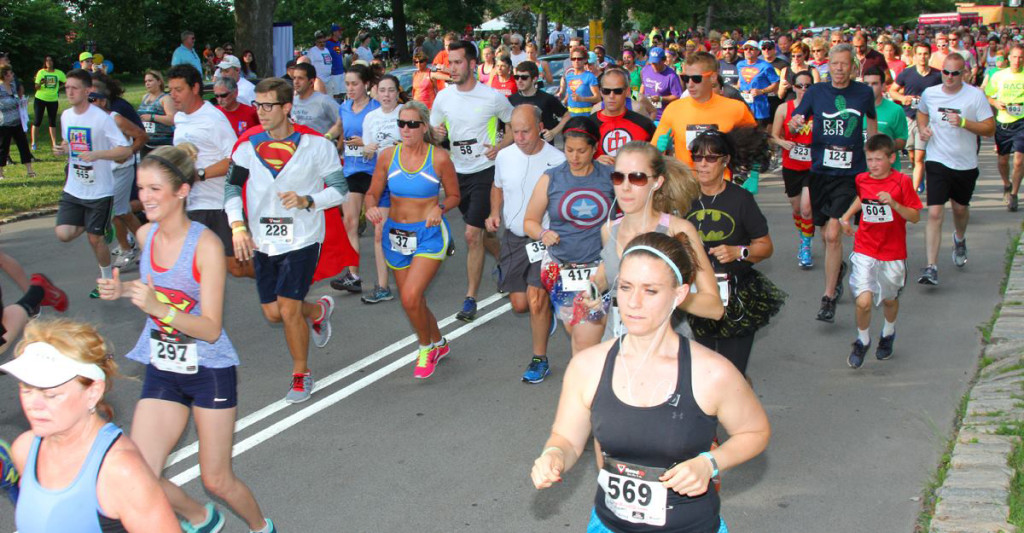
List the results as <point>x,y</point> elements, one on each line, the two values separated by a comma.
<point>319,111</point>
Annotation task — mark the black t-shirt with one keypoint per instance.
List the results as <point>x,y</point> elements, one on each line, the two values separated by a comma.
<point>729,71</point>
<point>123,108</point>
<point>838,146</point>
<point>551,110</point>
<point>914,84</point>
<point>731,217</point>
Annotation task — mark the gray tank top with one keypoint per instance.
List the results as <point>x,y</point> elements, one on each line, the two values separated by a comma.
<point>611,259</point>
<point>577,206</point>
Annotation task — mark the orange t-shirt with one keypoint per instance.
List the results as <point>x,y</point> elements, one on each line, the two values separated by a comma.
<point>686,118</point>
<point>441,62</point>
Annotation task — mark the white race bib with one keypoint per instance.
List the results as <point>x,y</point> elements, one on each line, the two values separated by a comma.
<point>723,287</point>
<point>402,241</point>
<point>467,151</point>
<point>535,251</point>
<point>875,213</point>
<point>800,152</point>
<point>173,353</point>
<point>576,277</point>
<point>693,130</point>
<point>83,172</point>
<point>747,97</point>
<point>277,230</point>
<point>1015,110</point>
<point>915,102</point>
<point>633,492</point>
<point>353,151</point>
<point>150,127</point>
<point>838,157</point>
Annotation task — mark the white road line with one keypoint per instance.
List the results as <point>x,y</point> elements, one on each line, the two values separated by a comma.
<point>191,449</point>
<point>335,397</point>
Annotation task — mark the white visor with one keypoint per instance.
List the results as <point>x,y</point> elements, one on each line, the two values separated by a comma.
<point>41,365</point>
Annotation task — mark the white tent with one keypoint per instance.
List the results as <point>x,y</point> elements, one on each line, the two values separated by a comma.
<point>495,24</point>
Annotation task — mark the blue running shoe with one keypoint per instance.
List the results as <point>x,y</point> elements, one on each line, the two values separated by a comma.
<point>468,312</point>
<point>856,358</point>
<point>537,371</point>
<point>9,477</point>
<point>213,524</point>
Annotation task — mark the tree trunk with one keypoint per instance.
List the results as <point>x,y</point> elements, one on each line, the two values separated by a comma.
<point>542,32</point>
<point>613,28</point>
<point>254,30</point>
<point>710,15</point>
<point>400,41</point>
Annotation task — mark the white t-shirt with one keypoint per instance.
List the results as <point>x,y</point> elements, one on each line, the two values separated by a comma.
<point>319,111</point>
<point>472,118</point>
<point>516,174</point>
<point>91,131</point>
<point>209,130</point>
<point>365,54</point>
<point>519,58</point>
<point>381,128</point>
<point>950,145</point>
<point>246,91</point>
<point>321,60</point>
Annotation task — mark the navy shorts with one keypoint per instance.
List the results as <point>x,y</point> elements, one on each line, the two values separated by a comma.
<point>210,388</point>
<point>287,275</point>
<point>1010,137</point>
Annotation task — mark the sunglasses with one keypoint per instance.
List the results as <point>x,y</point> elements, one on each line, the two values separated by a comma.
<point>767,48</point>
<point>522,77</point>
<point>637,179</point>
<point>951,72</point>
<point>816,50</point>
<point>418,61</point>
<point>802,85</point>
<point>225,95</point>
<point>411,124</point>
<point>579,59</point>
<point>696,78</point>
<point>612,90</point>
<point>710,158</point>
<point>729,48</point>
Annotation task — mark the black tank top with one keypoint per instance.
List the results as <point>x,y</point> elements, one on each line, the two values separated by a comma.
<point>659,436</point>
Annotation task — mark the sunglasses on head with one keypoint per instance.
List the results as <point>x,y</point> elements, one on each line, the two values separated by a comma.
<point>696,78</point>
<point>637,179</point>
<point>522,77</point>
<point>411,124</point>
<point>710,158</point>
<point>612,90</point>
<point>951,72</point>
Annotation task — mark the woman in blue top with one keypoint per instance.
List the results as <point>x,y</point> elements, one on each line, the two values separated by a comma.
<point>78,474</point>
<point>358,168</point>
<point>415,231</point>
<point>190,362</point>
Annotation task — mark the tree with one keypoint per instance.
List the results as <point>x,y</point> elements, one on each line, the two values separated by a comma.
<point>31,28</point>
<point>254,30</point>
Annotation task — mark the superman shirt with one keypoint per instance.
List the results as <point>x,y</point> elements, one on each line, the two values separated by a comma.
<point>274,153</point>
<point>757,75</point>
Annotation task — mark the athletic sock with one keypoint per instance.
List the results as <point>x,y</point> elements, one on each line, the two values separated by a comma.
<point>106,272</point>
<point>808,227</point>
<point>441,342</point>
<point>265,529</point>
<point>864,336</point>
<point>541,357</point>
<point>798,221</point>
<point>31,299</point>
<point>888,329</point>
<point>427,347</point>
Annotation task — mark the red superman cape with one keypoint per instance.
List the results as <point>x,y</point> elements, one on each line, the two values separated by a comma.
<point>336,253</point>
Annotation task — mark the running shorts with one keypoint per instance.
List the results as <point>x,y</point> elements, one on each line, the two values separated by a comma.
<point>431,243</point>
<point>883,279</point>
<point>209,388</point>
<point>93,215</point>
<point>1010,137</point>
<point>795,181</point>
<point>831,196</point>
<point>286,275</point>
<point>517,272</point>
<point>946,184</point>
<point>475,196</point>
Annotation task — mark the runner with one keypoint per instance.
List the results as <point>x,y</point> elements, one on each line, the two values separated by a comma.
<point>241,116</point>
<point>517,170</point>
<point>660,84</point>
<point>39,291</point>
<point>1005,90</point>
<point>907,90</point>
<point>796,165</point>
<point>284,170</point>
<point>313,109</point>
<point>868,58</point>
<point>951,118</point>
<point>79,474</point>
<point>757,80</point>
<point>837,156</point>
<point>655,467</point>
<point>576,198</point>
<point>617,124</point>
<point>727,63</point>
<point>819,55</point>
<point>417,231</point>
<point>321,59</point>
<point>886,201</point>
<point>358,168</point>
<point>190,362</point>
<point>468,114</point>
<point>92,142</point>
<point>799,52</point>
<point>553,114</point>
<point>501,78</point>
<point>231,67</point>
<point>578,88</point>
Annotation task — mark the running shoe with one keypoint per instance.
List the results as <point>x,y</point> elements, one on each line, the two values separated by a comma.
<point>273,528</point>
<point>426,363</point>
<point>8,474</point>
<point>123,259</point>
<point>95,293</point>
<point>884,350</point>
<point>857,355</point>
<point>302,388</point>
<point>451,248</point>
<point>827,312</point>
<point>537,371</point>
<point>1012,207</point>
<point>378,295</point>
<point>959,251</point>
<point>52,295</point>
<point>442,350</point>
<point>468,312</point>
<point>348,282</point>
<point>1006,194</point>
<point>804,257</point>
<point>929,275</point>
<point>839,282</point>
<point>213,524</point>
<point>322,326</point>
<point>362,226</point>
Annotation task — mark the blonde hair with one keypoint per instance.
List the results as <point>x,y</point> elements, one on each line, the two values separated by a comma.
<point>157,76</point>
<point>78,341</point>
<point>429,136</point>
<point>178,163</point>
<point>679,190</point>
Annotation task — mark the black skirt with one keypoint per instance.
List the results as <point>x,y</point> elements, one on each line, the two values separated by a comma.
<point>753,300</point>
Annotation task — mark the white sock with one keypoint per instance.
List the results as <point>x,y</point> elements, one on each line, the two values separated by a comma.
<point>441,342</point>
<point>265,528</point>
<point>106,272</point>
<point>889,328</point>
<point>864,336</point>
<point>427,347</point>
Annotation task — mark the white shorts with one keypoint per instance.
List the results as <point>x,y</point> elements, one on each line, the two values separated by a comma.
<point>335,84</point>
<point>883,279</point>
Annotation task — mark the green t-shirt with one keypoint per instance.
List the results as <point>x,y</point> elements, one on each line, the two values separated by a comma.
<point>1008,87</point>
<point>892,121</point>
<point>49,84</point>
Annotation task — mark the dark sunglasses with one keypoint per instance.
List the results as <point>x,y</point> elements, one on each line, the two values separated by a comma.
<point>729,48</point>
<point>638,179</point>
<point>612,90</point>
<point>225,95</point>
<point>418,61</point>
<point>411,124</point>
<point>579,59</point>
<point>695,78</point>
<point>522,77</point>
<point>951,72</point>
<point>710,158</point>
<point>802,85</point>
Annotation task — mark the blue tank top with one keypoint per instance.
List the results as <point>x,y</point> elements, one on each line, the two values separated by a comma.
<point>179,286</point>
<point>420,183</point>
<point>159,134</point>
<point>353,127</point>
<point>73,508</point>
<point>577,206</point>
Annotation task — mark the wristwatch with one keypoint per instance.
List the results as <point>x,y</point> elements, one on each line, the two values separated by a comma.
<point>744,253</point>
<point>309,202</point>
<point>202,174</point>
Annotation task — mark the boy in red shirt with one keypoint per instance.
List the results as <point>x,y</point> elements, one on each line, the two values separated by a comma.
<point>886,201</point>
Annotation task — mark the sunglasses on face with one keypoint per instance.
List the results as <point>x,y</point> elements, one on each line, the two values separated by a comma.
<point>578,59</point>
<point>802,85</point>
<point>695,78</point>
<point>418,61</point>
<point>710,158</point>
<point>951,73</point>
<point>225,95</point>
<point>637,179</point>
<point>411,124</point>
<point>612,90</point>
<point>730,48</point>
<point>522,77</point>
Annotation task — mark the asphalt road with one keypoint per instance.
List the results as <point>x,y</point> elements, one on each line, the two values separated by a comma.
<point>376,451</point>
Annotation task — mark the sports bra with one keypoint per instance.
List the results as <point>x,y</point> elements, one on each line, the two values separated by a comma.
<point>420,183</point>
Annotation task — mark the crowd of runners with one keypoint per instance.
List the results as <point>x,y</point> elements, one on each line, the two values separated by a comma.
<point>623,206</point>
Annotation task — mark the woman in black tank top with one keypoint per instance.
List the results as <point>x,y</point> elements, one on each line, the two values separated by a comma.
<point>653,401</point>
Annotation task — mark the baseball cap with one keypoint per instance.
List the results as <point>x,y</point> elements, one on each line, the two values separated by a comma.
<point>335,27</point>
<point>84,55</point>
<point>41,365</point>
<point>728,43</point>
<point>229,61</point>
<point>656,54</point>
<point>319,34</point>
<point>767,42</point>
<point>751,44</point>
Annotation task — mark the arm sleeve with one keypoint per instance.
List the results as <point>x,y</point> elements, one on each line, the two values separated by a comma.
<point>236,178</point>
<point>336,189</point>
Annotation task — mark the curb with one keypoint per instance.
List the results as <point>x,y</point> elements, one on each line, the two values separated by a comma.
<point>35,213</point>
<point>974,496</point>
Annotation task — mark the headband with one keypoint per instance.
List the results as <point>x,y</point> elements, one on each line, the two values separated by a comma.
<point>170,166</point>
<point>661,255</point>
<point>583,131</point>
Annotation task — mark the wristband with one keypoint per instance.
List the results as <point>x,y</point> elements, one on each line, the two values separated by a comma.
<point>238,229</point>
<point>171,313</point>
<point>714,463</point>
<point>963,122</point>
<point>549,448</point>
<point>542,232</point>
<point>328,136</point>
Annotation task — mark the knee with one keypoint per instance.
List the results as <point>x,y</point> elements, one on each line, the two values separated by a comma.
<point>520,304</point>
<point>473,236</point>
<point>410,301</point>
<point>864,302</point>
<point>290,313</point>
<point>831,235</point>
<point>272,313</point>
<point>218,483</point>
<point>95,240</point>
<point>935,215</point>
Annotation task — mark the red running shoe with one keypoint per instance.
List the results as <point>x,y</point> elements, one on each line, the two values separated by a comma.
<point>53,296</point>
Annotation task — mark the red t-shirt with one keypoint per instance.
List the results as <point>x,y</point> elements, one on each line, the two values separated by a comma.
<point>242,118</point>
<point>885,241</point>
<point>617,131</point>
<point>507,87</point>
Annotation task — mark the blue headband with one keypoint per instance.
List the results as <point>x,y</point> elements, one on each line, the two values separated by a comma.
<point>659,254</point>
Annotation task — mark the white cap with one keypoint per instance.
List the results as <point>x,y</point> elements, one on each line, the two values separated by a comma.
<point>229,61</point>
<point>41,365</point>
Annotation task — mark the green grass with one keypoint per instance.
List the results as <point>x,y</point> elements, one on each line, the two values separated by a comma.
<point>18,193</point>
